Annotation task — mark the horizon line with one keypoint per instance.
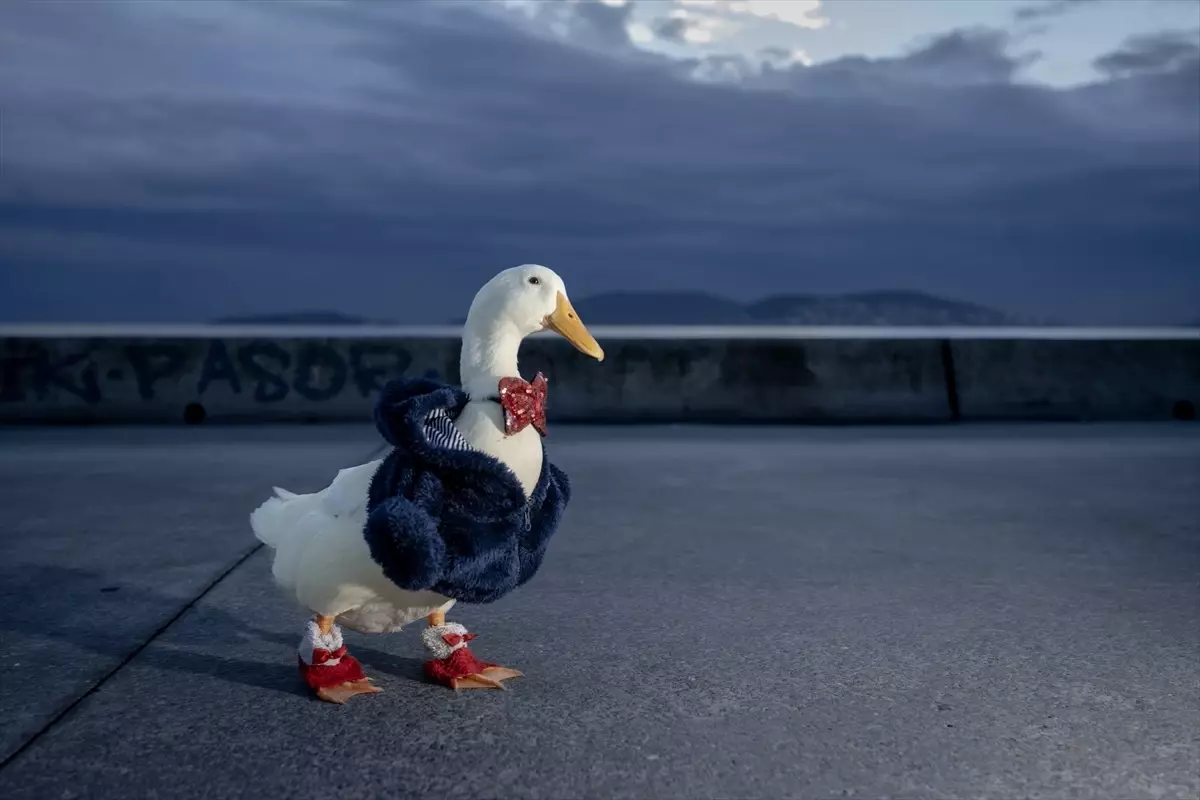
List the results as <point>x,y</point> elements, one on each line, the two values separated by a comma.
<point>301,331</point>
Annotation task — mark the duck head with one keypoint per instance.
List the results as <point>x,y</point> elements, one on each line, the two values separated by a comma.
<point>515,304</point>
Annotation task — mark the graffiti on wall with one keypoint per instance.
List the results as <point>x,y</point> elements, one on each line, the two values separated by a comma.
<point>261,370</point>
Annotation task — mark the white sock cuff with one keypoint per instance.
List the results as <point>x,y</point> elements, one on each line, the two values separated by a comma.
<point>436,645</point>
<point>315,640</point>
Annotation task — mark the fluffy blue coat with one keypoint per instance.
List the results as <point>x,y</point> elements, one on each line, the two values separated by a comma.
<point>445,517</point>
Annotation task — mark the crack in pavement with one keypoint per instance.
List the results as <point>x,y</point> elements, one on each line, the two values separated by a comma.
<point>74,703</point>
<point>95,687</point>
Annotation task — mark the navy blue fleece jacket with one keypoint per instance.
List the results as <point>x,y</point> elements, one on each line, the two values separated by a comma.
<point>445,517</point>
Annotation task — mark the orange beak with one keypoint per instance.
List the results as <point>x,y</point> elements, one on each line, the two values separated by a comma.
<point>566,323</point>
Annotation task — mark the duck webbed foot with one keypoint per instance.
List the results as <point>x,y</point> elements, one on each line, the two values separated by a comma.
<point>487,678</point>
<point>453,664</point>
<point>332,673</point>
<point>344,691</point>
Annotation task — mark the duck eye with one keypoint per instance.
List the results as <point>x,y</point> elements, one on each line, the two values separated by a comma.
<point>535,280</point>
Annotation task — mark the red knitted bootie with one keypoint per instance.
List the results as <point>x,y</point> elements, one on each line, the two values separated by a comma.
<point>328,669</point>
<point>454,664</point>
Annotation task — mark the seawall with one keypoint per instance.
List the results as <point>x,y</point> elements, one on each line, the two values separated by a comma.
<point>790,375</point>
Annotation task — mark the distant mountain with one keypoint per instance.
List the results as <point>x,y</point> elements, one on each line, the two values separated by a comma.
<point>297,318</point>
<point>875,308</point>
<point>661,308</point>
<point>864,308</point>
<point>699,308</point>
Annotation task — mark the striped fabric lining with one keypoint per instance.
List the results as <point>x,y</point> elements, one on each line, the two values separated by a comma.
<point>441,432</point>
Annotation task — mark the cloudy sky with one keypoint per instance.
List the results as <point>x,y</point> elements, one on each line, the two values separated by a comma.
<point>178,161</point>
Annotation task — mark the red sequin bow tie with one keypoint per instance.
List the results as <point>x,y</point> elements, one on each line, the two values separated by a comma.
<point>524,404</point>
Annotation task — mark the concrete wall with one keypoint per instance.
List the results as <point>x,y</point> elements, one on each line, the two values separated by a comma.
<point>1028,379</point>
<point>664,376</point>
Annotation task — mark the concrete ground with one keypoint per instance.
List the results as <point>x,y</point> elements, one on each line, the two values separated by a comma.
<point>942,612</point>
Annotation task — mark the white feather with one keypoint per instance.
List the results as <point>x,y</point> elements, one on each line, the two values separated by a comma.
<point>482,425</point>
<point>323,560</point>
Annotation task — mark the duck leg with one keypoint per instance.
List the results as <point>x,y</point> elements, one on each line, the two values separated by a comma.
<point>325,665</point>
<point>453,663</point>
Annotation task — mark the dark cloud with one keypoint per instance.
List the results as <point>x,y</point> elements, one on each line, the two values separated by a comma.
<point>969,57</point>
<point>1159,52</point>
<point>1151,85</point>
<point>588,23</point>
<point>1051,8</point>
<point>671,29</point>
<point>1037,15</point>
<point>384,159</point>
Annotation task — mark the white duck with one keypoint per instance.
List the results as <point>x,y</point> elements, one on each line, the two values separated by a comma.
<point>320,554</point>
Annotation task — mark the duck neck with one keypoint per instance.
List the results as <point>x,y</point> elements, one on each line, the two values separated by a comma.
<point>489,353</point>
